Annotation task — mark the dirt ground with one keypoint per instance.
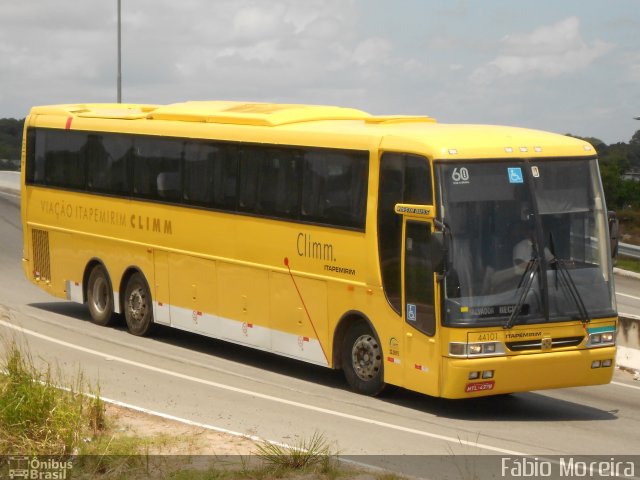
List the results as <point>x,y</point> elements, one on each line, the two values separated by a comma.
<point>176,438</point>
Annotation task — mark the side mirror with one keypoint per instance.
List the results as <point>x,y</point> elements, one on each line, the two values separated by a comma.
<point>614,232</point>
<point>439,248</point>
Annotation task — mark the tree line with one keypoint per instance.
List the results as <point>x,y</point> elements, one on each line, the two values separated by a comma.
<point>615,161</point>
<point>10,143</point>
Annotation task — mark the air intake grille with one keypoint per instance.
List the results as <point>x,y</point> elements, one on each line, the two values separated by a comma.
<point>537,344</point>
<point>41,265</point>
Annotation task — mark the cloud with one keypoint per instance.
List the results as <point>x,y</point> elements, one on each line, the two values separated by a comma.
<point>549,51</point>
<point>193,49</point>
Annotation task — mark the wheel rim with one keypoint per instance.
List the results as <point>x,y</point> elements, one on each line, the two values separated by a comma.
<point>366,358</point>
<point>100,295</point>
<point>137,305</point>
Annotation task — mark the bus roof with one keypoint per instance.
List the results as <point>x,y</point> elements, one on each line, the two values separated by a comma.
<point>420,133</point>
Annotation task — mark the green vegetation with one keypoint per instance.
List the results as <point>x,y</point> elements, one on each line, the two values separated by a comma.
<point>71,426</point>
<point>631,264</point>
<point>37,417</point>
<point>615,161</point>
<point>306,456</point>
<point>10,143</point>
<point>629,225</point>
<point>623,195</point>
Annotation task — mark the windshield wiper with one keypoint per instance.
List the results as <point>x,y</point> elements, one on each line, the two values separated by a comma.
<point>563,272</point>
<point>524,285</point>
<point>566,277</point>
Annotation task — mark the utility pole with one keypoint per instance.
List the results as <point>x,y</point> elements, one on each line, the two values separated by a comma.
<point>119,55</point>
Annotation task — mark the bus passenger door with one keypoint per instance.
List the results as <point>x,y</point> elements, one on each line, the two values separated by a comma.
<point>421,357</point>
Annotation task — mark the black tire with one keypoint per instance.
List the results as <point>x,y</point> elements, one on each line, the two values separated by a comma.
<point>362,360</point>
<point>100,296</point>
<point>138,306</point>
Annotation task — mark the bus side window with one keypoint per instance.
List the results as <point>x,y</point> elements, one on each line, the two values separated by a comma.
<point>117,149</point>
<point>279,184</point>
<point>334,187</point>
<point>157,172</point>
<point>36,144</point>
<point>225,178</point>
<point>199,166</point>
<point>250,159</point>
<point>64,162</point>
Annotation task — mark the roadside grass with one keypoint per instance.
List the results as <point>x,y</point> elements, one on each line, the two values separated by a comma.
<point>37,417</point>
<point>627,263</point>
<point>42,415</point>
<point>313,455</point>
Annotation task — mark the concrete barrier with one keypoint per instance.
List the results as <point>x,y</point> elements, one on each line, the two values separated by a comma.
<point>10,181</point>
<point>628,340</point>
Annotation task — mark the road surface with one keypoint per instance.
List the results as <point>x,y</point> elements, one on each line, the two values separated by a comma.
<point>252,392</point>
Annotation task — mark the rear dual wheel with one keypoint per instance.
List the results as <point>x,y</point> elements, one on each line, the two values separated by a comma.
<point>100,296</point>
<point>138,306</point>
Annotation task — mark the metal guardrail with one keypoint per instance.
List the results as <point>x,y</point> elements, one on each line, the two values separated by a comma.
<point>629,250</point>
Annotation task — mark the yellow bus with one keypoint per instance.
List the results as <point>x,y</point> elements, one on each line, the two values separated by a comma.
<point>453,260</point>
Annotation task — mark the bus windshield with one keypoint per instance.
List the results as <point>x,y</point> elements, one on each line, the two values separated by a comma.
<point>531,235</point>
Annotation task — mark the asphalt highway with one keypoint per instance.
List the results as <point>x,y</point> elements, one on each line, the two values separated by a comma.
<point>242,390</point>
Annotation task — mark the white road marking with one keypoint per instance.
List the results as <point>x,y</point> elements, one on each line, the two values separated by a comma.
<point>625,385</point>
<point>263,396</point>
<point>627,295</point>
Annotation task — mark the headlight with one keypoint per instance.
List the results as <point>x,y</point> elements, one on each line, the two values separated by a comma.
<point>600,338</point>
<point>483,349</point>
<point>608,337</point>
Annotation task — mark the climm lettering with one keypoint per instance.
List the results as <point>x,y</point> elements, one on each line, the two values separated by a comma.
<point>310,248</point>
<point>150,224</point>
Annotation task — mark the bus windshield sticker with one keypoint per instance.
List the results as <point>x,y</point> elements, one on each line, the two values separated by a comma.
<point>535,171</point>
<point>515,175</point>
<point>460,176</point>
<point>411,312</point>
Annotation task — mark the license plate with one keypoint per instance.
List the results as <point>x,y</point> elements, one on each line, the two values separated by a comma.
<point>479,386</point>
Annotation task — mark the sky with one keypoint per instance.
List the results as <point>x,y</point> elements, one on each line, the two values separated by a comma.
<point>570,66</point>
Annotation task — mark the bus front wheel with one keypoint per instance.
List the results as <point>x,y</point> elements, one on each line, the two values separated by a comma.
<point>362,360</point>
<point>138,306</point>
<point>100,296</point>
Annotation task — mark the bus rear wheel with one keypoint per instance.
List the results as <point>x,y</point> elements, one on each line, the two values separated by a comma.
<point>100,296</point>
<point>138,306</point>
<point>362,360</point>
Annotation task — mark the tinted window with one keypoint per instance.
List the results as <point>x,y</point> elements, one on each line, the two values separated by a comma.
<point>156,168</point>
<point>419,278</point>
<point>335,187</point>
<point>403,179</point>
<point>279,187</point>
<point>250,159</point>
<point>61,153</point>
<point>199,171</point>
<point>316,185</point>
<point>106,159</point>
<point>35,156</point>
<point>417,181</point>
<point>269,181</point>
<point>225,178</point>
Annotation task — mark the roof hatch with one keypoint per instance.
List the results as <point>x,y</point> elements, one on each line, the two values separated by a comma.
<point>259,114</point>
